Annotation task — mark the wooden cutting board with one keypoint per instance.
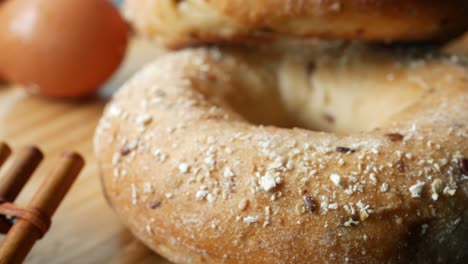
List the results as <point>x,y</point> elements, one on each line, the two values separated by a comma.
<point>84,229</point>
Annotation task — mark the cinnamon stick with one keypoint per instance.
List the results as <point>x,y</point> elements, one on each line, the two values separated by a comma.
<point>5,151</point>
<point>23,234</point>
<point>18,173</point>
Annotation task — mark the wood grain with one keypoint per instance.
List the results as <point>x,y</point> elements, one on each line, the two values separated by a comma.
<point>84,229</point>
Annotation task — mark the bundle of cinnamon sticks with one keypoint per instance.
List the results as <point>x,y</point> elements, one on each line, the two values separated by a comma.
<point>24,225</point>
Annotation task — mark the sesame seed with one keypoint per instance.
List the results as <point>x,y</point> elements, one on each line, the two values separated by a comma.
<point>416,189</point>
<point>229,150</point>
<point>211,198</point>
<point>278,163</point>
<point>209,160</point>
<point>351,222</point>
<point>373,178</point>
<point>115,110</point>
<point>243,204</point>
<point>144,120</point>
<point>300,208</point>
<point>336,179</point>
<point>363,215</point>
<point>201,194</point>
<point>147,187</point>
<point>183,167</point>
<point>436,188</point>
<point>228,172</point>
<point>324,204</point>
<point>250,219</point>
<point>159,155</point>
<point>134,194</point>
<point>449,191</point>
<point>267,210</point>
<point>341,162</point>
<point>349,191</point>
<point>399,154</point>
<point>116,158</point>
<point>268,181</point>
<point>384,187</point>
<point>148,228</point>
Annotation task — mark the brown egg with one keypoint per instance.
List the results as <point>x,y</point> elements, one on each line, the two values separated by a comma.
<point>60,48</point>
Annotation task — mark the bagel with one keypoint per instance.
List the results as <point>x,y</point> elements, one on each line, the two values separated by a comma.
<point>189,22</point>
<point>458,46</point>
<point>201,157</point>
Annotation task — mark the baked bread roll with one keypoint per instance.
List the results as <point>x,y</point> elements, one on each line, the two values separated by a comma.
<point>188,22</point>
<point>201,158</point>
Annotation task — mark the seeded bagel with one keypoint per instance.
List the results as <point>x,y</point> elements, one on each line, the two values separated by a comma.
<point>202,159</point>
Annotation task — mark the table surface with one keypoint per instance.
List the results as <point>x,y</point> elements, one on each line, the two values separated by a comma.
<point>84,229</point>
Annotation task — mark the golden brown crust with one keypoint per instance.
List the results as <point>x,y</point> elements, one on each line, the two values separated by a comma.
<point>458,46</point>
<point>180,23</point>
<point>189,172</point>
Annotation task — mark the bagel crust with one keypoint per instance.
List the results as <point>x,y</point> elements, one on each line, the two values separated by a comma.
<point>188,22</point>
<point>196,164</point>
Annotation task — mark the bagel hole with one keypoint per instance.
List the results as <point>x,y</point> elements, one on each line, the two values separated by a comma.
<point>345,88</point>
<point>330,99</point>
<point>334,115</point>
